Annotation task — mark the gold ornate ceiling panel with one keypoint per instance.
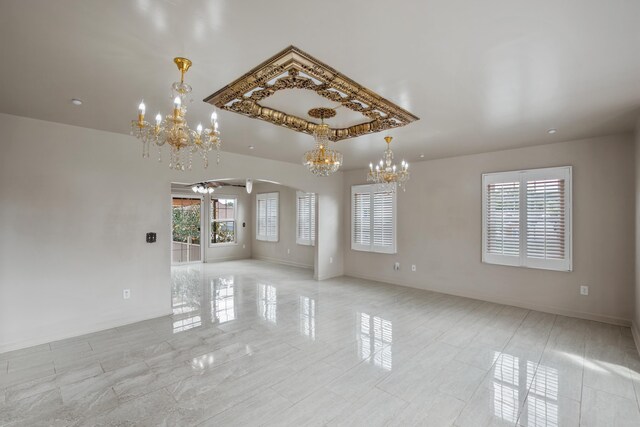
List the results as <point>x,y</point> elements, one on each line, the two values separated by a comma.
<point>294,69</point>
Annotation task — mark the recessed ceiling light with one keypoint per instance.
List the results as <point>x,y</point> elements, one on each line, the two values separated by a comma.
<point>422,156</point>
<point>251,147</point>
<point>76,101</point>
<point>552,131</point>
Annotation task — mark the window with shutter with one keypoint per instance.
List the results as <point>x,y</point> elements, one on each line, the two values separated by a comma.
<point>267,217</point>
<point>527,218</point>
<point>222,210</point>
<point>305,218</point>
<point>373,219</point>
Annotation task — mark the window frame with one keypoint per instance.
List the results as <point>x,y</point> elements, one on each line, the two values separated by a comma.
<point>311,218</point>
<point>371,189</point>
<point>522,177</point>
<point>266,196</point>
<point>235,220</point>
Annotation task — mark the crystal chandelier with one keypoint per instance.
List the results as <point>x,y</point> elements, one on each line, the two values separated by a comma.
<point>386,173</point>
<point>322,160</point>
<point>174,130</point>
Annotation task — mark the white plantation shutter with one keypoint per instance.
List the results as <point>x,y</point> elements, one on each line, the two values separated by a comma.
<point>373,219</point>
<point>305,218</point>
<point>267,217</point>
<point>503,220</point>
<point>272,217</point>
<point>312,219</point>
<point>261,229</point>
<point>383,225</point>
<point>545,219</point>
<point>361,219</point>
<point>527,218</point>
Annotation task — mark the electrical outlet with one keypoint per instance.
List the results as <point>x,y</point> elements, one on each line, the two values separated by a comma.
<point>413,267</point>
<point>584,290</point>
<point>126,293</point>
<point>330,260</point>
<point>396,266</point>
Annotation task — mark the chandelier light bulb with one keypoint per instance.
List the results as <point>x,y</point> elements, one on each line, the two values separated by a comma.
<point>158,119</point>
<point>194,188</point>
<point>211,190</point>
<point>177,102</point>
<point>214,117</point>
<point>141,107</point>
<point>199,129</point>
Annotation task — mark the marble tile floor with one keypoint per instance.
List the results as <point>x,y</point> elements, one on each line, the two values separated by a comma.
<point>252,343</point>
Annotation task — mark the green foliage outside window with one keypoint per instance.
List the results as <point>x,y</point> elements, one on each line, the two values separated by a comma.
<point>186,223</point>
<point>223,232</point>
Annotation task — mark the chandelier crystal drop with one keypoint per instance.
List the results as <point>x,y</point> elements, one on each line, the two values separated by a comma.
<point>173,130</point>
<point>386,173</point>
<point>322,160</point>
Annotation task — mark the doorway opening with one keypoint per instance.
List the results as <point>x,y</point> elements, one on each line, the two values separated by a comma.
<point>186,229</point>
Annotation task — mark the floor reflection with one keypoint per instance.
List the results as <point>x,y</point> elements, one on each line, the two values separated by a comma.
<point>186,299</point>
<point>223,307</point>
<point>542,401</point>
<point>267,302</point>
<point>511,377</point>
<point>375,336</point>
<point>308,317</point>
<point>506,383</point>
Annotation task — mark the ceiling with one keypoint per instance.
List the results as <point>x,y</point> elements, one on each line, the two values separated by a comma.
<point>481,76</point>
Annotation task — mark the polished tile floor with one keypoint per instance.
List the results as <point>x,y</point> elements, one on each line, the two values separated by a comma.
<point>252,343</point>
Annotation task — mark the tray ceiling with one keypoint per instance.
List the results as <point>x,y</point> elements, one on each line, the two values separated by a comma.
<point>295,70</point>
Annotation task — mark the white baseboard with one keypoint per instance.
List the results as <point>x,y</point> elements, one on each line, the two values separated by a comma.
<point>283,262</point>
<point>228,258</point>
<point>82,330</point>
<point>329,276</point>
<point>636,335</point>
<point>506,301</point>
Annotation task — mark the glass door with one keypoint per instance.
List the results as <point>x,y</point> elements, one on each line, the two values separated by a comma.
<point>186,224</point>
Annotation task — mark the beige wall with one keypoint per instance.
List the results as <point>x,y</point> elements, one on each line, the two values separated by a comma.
<point>285,250</point>
<point>75,205</point>
<point>636,319</point>
<point>439,230</point>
